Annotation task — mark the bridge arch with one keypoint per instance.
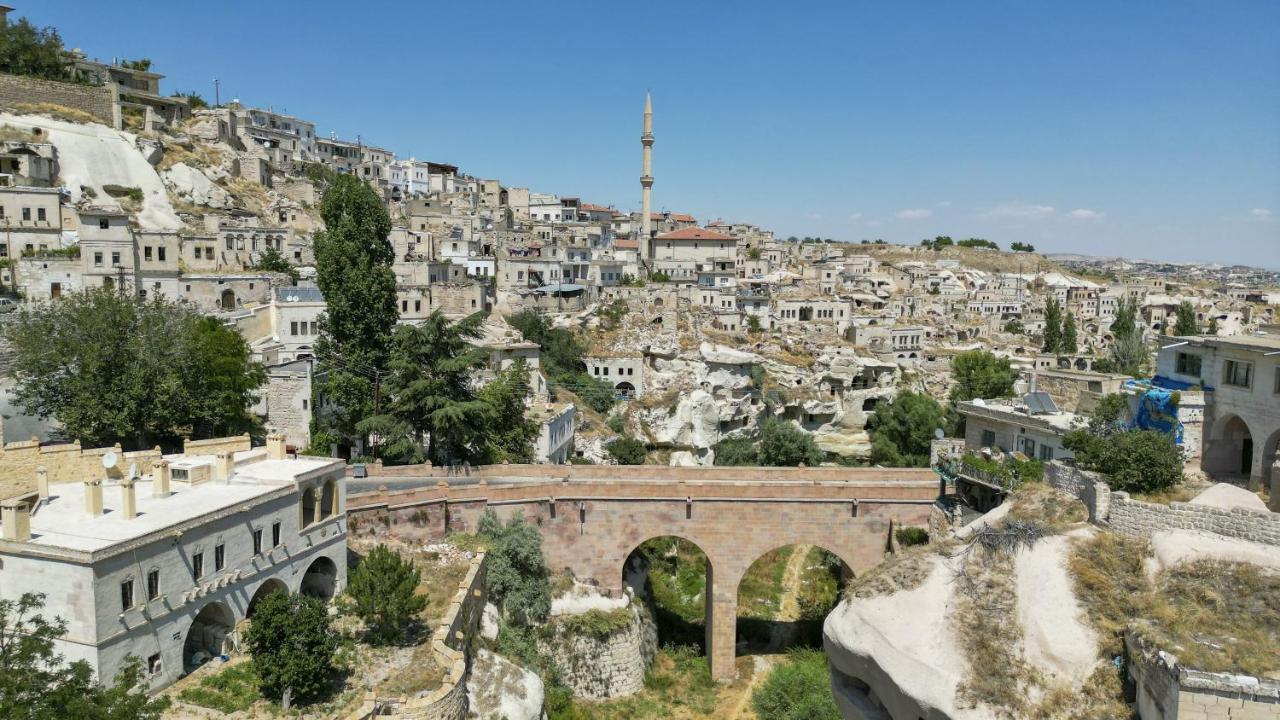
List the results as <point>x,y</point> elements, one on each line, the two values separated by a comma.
<point>637,575</point>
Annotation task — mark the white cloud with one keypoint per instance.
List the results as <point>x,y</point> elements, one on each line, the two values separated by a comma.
<point>914,214</point>
<point>1085,214</point>
<point>874,223</point>
<point>945,203</point>
<point>813,216</point>
<point>1261,213</point>
<point>1016,211</point>
<point>855,217</point>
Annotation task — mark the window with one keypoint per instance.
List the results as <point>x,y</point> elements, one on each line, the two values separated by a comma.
<point>1046,452</point>
<point>1188,364</point>
<point>126,594</point>
<point>1238,373</point>
<point>115,259</point>
<point>197,566</point>
<point>97,259</point>
<point>219,556</point>
<point>146,253</point>
<point>275,534</point>
<point>257,541</point>
<point>988,438</point>
<point>103,224</point>
<point>293,328</point>
<point>26,213</point>
<point>230,243</point>
<point>153,664</point>
<point>40,214</point>
<point>153,584</point>
<point>160,254</point>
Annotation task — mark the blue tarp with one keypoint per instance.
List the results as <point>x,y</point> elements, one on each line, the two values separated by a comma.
<point>1156,410</point>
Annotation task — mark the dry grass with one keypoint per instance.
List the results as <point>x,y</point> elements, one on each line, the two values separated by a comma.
<point>253,196</point>
<point>904,570</point>
<point>1044,504</point>
<point>1178,493</point>
<point>998,676</point>
<point>55,111</point>
<point>1107,570</point>
<point>1219,617</point>
<point>198,156</point>
<point>9,133</point>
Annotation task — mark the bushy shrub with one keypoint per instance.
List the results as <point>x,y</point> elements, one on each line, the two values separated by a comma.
<point>517,573</point>
<point>627,451</point>
<point>909,536</point>
<point>797,690</point>
<point>292,646</point>
<point>384,590</point>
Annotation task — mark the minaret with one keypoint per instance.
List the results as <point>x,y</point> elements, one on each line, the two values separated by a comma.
<point>644,246</point>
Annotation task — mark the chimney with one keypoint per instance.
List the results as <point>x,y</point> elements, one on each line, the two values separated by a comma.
<point>275,446</point>
<point>128,499</point>
<point>15,515</point>
<point>160,478</point>
<point>223,464</point>
<point>93,497</point>
<point>42,482</point>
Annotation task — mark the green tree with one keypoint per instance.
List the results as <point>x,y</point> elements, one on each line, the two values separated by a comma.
<point>28,50</point>
<point>508,433</point>
<point>980,374</point>
<point>292,646</point>
<point>270,260</point>
<point>785,445</point>
<point>736,451</point>
<point>1014,327</point>
<point>114,368</point>
<point>1132,460</point>
<point>1052,326</point>
<point>1186,323</point>
<point>1069,343</point>
<point>1213,326</point>
<point>799,689</point>
<point>627,451</point>
<point>902,430</point>
<point>384,589</point>
<point>37,684</point>
<point>562,360</point>
<point>429,393</point>
<point>353,270</point>
<point>517,570</point>
<point>1022,247</point>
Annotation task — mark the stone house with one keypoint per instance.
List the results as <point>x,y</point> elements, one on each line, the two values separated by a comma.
<point>164,565</point>
<point>107,250</point>
<point>29,164</point>
<point>30,220</point>
<point>1016,426</point>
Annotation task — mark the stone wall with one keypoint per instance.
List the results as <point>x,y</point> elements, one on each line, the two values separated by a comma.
<point>609,667</point>
<point>1168,691</point>
<point>213,446</point>
<point>63,463</point>
<point>102,102</point>
<point>1122,513</point>
<point>452,644</point>
<point>1134,517</point>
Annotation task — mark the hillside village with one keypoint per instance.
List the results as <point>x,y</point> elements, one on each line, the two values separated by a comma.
<point>690,338</point>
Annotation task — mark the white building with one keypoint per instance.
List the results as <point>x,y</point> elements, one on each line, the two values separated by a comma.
<point>163,566</point>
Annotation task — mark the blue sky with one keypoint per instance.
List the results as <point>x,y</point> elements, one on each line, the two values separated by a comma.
<point>1150,129</point>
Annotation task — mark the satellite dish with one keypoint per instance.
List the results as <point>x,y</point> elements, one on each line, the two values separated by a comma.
<point>938,433</point>
<point>109,459</point>
<point>133,470</point>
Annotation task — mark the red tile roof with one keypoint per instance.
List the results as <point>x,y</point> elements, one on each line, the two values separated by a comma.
<point>626,244</point>
<point>695,233</point>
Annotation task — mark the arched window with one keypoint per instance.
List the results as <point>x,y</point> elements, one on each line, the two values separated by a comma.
<point>308,507</point>
<point>328,500</point>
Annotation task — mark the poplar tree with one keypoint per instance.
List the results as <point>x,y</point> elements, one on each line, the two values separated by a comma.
<point>1052,326</point>
<point>1186,322</point>
<point>1068,345</point>
<point>353,270</point>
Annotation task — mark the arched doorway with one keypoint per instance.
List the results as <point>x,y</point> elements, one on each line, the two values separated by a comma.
<point>673,575</point>
<point>228,301</point>
<point>320,580</point>
<point>268,587</point>
<point>207,636</point>
<point>626,390</point>
<point>1229,453</point>
<point>1270,455</point>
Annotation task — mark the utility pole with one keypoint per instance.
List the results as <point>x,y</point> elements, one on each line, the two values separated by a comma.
<point>120,280</point>
<point>217,93</point>
<point>377,390</point>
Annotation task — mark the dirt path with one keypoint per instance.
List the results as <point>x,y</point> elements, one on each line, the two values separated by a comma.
<point>789,607</point>
<point>741,710</point>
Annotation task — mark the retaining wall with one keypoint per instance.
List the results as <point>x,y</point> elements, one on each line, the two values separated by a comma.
<point>1168,691</point>
<point>64,463</point>
<point>452,644</point>
<point>609,667</point>
<point>100,101</point>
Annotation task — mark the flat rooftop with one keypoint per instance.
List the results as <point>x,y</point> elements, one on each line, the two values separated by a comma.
<point>62,521</point>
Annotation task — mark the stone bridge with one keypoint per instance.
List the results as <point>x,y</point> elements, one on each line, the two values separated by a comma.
<point>592,517</point>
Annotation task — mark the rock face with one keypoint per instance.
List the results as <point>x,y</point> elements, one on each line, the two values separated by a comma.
<point>194,186</point>
<point>599,668</point>
<point>490,621</point>
<point>498,689</point>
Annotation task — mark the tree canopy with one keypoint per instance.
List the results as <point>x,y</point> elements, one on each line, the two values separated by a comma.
<point>782,444</point>
<point>270,260</point>
<point>980,374</point>
<point>1052,326</point>
<point>562,360</point>
<point>112,368</point>
<point>1022,247</point>
<point>292,646</point>
<point>1069,344</point>
<point>902,430</point>
<point>517,570</point>
<point>29,50</point>
<point>627,451</point>
<point>37,684</point>
<point>1132,460</point>
<point>353,270</point>
<point>1186,323</point>
<point>383,588</point>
